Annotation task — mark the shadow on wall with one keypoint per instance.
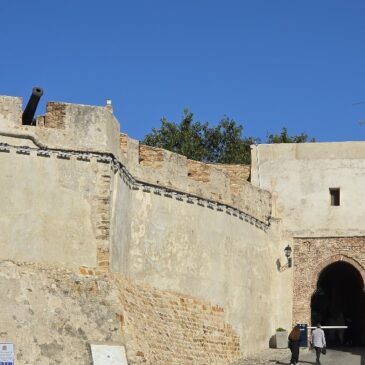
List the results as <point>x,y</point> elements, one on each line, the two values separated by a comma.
<point>281,267</point>
<point>272,342</point>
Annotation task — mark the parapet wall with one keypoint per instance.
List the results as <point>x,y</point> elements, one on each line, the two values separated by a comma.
<point>64,126</point>
<point>224,184</point>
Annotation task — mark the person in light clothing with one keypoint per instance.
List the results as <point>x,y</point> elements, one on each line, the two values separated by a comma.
<point>318,342</point>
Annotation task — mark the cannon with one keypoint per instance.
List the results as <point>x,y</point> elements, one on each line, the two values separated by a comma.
<point>29,111</point>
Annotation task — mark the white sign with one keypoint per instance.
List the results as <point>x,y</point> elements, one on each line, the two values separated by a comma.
<point>108,355</point>
<point>6,353</point>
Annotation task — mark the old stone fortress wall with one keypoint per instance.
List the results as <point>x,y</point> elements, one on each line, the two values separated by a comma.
<point>104,239</point>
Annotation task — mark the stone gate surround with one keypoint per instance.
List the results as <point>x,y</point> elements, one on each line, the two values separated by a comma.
<point>311,257</point>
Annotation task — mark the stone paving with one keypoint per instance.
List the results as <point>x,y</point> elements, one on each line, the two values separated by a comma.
<point>344,356</point>
<point>267,356</point>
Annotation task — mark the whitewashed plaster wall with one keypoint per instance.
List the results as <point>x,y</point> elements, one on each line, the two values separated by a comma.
<point>299,177</point>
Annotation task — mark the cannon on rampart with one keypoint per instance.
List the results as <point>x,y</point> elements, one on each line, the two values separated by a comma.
<point>30,109</point>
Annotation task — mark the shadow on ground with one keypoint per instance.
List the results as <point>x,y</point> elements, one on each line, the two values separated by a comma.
<point>334,356</point>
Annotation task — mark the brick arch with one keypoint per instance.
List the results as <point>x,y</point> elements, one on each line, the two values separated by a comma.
<point>331,260</point>
<point>311,257</point>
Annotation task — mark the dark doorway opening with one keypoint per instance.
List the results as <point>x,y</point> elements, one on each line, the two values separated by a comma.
<point>340,301</point>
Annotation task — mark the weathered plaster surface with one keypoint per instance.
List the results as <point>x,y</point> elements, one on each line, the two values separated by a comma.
<point>80,212</point>
<point>192,249</point>
<point>52,315</point>
<point>218,183</point>
<point>299,177</point>
<point>46,209</point>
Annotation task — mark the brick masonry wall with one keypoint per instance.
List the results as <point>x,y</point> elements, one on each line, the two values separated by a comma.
<point>55,115</point>
<point>311,256</point>
<point>150,156</point>
<point>236,173</point>
<point>123,141</point>
<point>198,171</point>
<point>168,328</point>
<point>102,215</point>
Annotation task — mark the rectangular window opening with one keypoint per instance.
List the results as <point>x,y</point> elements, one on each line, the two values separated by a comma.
<point>335,196</point>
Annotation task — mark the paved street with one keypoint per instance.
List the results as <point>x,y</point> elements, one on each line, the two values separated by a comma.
<point>345,356</point>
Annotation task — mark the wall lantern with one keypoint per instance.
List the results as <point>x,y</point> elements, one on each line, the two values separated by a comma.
<point>288,251</point>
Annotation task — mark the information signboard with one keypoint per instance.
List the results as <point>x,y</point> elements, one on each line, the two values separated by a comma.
<point>108,354</point>
<point>6,353</point>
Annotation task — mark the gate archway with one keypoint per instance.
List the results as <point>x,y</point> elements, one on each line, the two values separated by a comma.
<point>339,300</point>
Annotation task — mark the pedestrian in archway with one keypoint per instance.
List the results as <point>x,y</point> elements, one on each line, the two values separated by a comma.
<point>318,342</point>
<point>294,338</point>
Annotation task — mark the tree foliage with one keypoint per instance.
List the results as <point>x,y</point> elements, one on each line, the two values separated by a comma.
<point>283,137</point>
<point>223,143</point>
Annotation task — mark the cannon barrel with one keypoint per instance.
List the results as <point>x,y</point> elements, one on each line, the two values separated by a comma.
<point>30,109</point>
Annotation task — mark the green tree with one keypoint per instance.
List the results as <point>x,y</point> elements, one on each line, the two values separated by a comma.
<point>227,145</point>
<point>283,137</point>
<point>187,138</point>
<point>197,141</point>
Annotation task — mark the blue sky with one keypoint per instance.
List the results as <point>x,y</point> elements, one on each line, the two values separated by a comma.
<point>267,64</point>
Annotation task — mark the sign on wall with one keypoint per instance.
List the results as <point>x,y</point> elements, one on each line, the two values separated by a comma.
<point>108,354</point>
<point>6,353</point>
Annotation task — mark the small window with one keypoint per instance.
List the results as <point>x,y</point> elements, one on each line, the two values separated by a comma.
<point>335,196</point>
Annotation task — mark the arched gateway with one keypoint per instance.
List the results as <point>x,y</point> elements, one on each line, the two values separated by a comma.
<point>339,301</point>
<point>329,288</point>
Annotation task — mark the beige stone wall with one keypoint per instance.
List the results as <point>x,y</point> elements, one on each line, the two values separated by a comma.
<point>299,177</point>
<point>64,126</point>
<point>185,245</point>
<point>191,248</point>
<point>225,184</point>
<point>49,209</point>
<point>11,109</point>
<point>311,256</point>
<point>52,315</point>
<point>204,234</point>
<point>55,190</point>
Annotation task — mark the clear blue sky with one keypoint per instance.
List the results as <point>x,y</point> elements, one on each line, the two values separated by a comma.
<point>267,64</point>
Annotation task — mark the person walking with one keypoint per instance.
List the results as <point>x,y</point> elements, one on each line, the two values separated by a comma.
<point>294,338</point>
<point>318,342</point>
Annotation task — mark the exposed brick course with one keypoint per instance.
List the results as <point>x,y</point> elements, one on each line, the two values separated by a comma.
<point>55,115</point>
<point>123,140</point>
<point>150,156</point>
<point>102,213</point>
<point>198,171</point>
<point>168,328</point>
<point>236,173</point>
